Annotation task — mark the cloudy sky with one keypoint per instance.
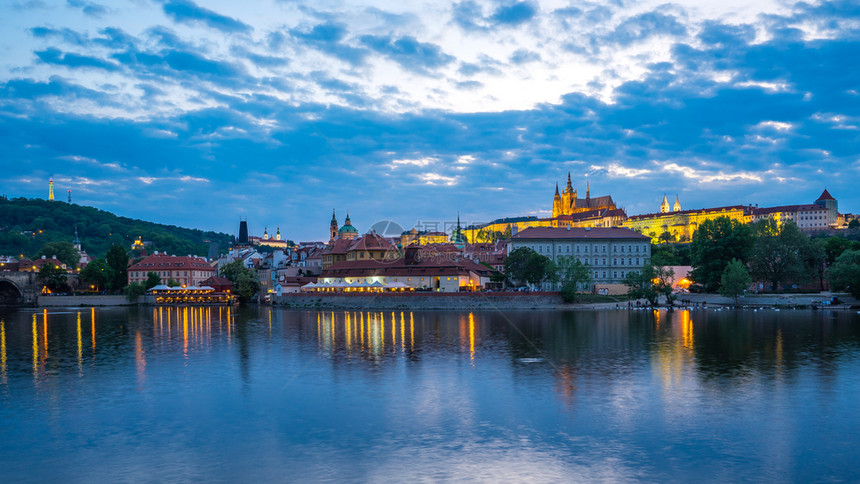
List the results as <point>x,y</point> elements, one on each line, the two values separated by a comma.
<point>280,110</point>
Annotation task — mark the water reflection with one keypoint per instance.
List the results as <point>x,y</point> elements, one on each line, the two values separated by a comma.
<point>660,395</point>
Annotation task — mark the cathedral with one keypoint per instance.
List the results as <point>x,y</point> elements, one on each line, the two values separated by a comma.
<point>568,203</point>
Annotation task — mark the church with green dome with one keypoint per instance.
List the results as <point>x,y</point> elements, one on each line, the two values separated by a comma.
<point>346,232</point>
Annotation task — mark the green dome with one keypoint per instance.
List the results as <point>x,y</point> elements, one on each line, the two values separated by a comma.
<point>348,229</point>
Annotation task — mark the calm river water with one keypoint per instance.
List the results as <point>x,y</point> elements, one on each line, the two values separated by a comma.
<point>266,395</point>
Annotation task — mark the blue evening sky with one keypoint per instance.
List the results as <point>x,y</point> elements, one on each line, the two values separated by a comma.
<point>197,113</point>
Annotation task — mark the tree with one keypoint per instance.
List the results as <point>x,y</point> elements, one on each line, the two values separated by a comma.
<point>640,286</point>
<point>133,290</point>
<point>245,285</point>
<point>777,254</point>
<point>572,274</point>
<point>854,224</point>
<point>117,259</point>
<point>97,274</point>
<point>714,245</point>
<point>65,252</point>
<point>526,265</point>
<point>735,280</point>
<point>650,283</point>
<point>508,233</point>
<point>173,283</point>
<point>666,237</point>
<point>53,276</point>
<point>844,274</point>
<point>152,280</point>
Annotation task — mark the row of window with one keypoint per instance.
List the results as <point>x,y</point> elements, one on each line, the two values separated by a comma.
<point>597,248</point>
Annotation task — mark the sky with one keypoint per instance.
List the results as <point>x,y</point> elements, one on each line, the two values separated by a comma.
<point>201,113</point>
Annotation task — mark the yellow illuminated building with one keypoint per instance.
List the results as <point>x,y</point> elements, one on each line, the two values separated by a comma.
<point>682,224</point>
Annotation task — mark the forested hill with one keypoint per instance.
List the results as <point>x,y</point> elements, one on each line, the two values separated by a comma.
<point>28,224</point>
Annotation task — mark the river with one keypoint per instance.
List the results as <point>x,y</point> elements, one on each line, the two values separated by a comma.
<point>211,394</point>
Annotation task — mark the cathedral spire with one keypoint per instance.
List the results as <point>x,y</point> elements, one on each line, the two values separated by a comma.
<point>556,189</point>
<point>664,207</point>
<point>569,187</point>
<point>587,190</point>
<point>677,207</point>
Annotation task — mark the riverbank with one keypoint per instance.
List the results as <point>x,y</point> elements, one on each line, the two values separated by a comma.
<point>483,300</point>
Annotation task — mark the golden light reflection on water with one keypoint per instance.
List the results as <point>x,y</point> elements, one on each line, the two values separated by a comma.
<point>35,348</point>
<point>80,345</point>
<point>472,338</point>
<point>675,352</point>
<point>139,358</point>
<point>3,351</point>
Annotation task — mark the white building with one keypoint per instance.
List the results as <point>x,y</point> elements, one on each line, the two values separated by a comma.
<point>609,252</point>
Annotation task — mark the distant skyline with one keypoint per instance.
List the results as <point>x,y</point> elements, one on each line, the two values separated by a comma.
<point>197,114</point>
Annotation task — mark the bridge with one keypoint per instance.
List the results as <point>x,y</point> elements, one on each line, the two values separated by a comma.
<point>19,288</point>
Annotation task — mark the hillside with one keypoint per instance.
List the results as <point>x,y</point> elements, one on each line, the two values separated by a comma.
<point>28,224</point>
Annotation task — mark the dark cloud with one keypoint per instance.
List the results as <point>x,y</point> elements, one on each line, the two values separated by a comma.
<point>186,11</point>
<point>407,51</point>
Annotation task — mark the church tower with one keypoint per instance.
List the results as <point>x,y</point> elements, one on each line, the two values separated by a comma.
<point>568,198</point>
<point>278,234</point>
<point>266,233</point>
<point>664,207</point>
<point>556,203</point>
<point>77,241</point>
<point>333,227</point>
<point>677,207</point>
<point>51,189</point>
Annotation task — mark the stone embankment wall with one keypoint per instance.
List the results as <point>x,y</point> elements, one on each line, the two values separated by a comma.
<point>417,301</point>
<point>74,301</point>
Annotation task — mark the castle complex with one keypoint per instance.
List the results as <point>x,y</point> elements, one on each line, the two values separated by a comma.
<point>670,224</point>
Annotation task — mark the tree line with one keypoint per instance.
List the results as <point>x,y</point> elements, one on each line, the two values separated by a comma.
<point>726,257</point>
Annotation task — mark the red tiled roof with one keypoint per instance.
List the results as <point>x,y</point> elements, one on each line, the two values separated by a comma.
<point>785,208</point>
<point>161,261</point>
<point>825,195</point>
<point>437,266</point>
<point>579,233</point>
<point>371,241</point>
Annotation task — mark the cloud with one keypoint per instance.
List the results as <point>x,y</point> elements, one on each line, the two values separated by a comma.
<point>325,37</point>
<point>71,60</point>
<point>513,14</point>
<point>408,52</point>
<point>88,8</point>
<point>188,12</point>
<point>524,56</point>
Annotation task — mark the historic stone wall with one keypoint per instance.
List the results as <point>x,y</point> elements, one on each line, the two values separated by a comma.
<point>414,301</point>
<point>55,301</point>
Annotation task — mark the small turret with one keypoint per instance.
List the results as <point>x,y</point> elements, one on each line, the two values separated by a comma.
<point>664,207</point>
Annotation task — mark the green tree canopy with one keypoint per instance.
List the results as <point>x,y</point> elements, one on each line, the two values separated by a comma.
<point>117,259</point>
<point>97,274</point>
<point>524,265</point>
<point>735,280</point>
<point>572,274</point>
<point>650,283</point>
<point>780,253</point>
<point>844,274</point>
<point>54,277</point>
<point>65,252</point>
<point>715,243</point>
<point>152,280</point>
<point>245,285</point>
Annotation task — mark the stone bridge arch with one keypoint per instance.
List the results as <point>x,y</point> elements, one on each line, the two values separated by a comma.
<point>18,288</point>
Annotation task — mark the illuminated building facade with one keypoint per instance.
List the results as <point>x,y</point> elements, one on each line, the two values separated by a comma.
<point>610,253</point>
<point>681,225</point>
<point>186,270</point>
